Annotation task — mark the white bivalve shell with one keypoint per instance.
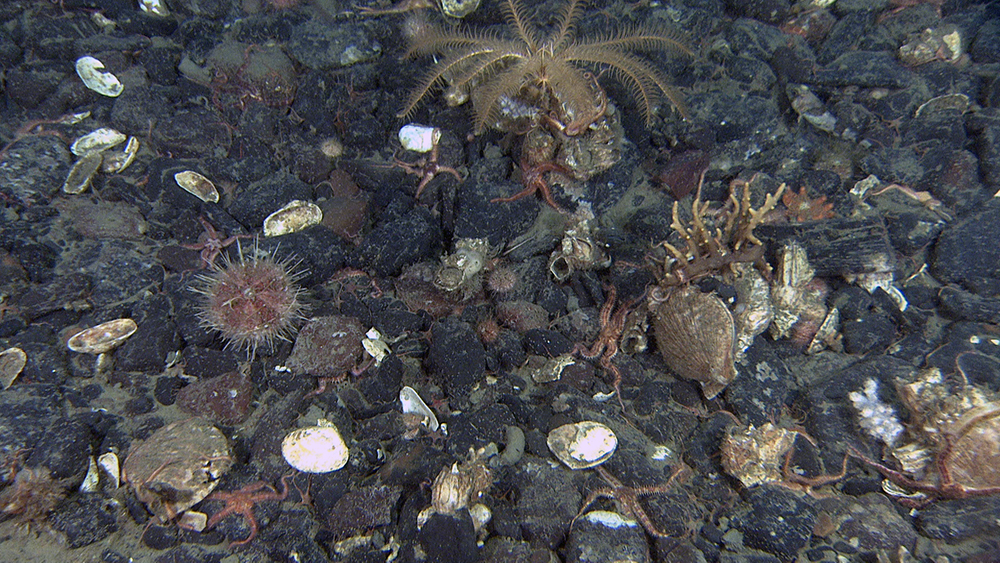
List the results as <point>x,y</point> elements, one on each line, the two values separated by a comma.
<point>292,218</point>
<point>12,361</point>
<point>92,72</point>
<point>197,185</point>
<point>103,337</point>
<point>419,138</point>
<point>97,140</point>
<point>582,445</point>
<point>315,449</point>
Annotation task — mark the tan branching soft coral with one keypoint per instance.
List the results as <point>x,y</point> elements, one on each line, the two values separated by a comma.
<point>707,249</point>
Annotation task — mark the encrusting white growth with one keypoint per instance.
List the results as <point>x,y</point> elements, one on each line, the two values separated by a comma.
<point>876,417</point>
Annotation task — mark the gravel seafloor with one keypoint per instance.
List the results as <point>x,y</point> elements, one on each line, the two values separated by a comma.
<point>257,95</point>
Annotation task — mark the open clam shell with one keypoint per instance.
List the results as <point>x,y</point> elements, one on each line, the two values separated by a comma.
<point>582,445</point>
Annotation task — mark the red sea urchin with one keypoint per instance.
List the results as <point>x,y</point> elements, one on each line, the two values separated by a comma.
<point>252,301</point>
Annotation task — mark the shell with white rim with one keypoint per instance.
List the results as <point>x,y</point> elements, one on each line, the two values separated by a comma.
<point>315,449</point>
<point>582,445</point>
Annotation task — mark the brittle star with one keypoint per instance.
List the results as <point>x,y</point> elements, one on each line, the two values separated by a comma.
<point>242,501</point>
<point>627,498</point>
<point>427,168</point>
<point>606,345</point>
<point>213,244</point>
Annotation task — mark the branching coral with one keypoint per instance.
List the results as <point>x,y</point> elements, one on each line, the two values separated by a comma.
<point>706,248</point>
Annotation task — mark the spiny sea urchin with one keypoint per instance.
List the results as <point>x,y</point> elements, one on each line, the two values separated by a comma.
<point>253,300</point>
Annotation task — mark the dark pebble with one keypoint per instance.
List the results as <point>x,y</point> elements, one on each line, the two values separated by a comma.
<point>86,519</point>
<point>606,536</point>
<point>456,357</point>
<point>449,539</point>
<point>779,521</point>
<point>967,252</point>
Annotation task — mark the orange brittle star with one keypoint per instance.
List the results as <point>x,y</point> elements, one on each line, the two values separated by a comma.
<point>241,502</point>
<point>534,181</point>
<point>606,345</point>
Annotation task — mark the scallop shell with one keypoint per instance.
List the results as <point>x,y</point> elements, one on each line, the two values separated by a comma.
<point>293,217</point>
<point>197,185</point>
<point>315,449</point>
<point>103,337</point>
<point>696,334</point>
<point>82,173</point>
<point>12,361</point>
<point>98,140</point>
<point>581,445</point>
<point>92,72</point>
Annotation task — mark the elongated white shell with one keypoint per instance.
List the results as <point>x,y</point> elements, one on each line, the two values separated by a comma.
<point>79,177</point>
<point>293,217</point>
<point>413,404</point>
<point>92,482</point>
<point>419,138</point>
<point>92,72</point>
<point>12,361</point>
<point>103,337</point>
<point>315,449</point>
<point>97,140</point>
<point>581,445</point>
<point>197,185</point>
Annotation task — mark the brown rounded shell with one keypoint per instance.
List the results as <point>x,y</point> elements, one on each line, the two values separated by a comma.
<point>696,334</point>
<point>974,459</point>
<point>328,347</point>
<point>177,467</point>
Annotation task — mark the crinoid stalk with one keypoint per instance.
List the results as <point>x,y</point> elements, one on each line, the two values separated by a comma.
<point>252,300</point>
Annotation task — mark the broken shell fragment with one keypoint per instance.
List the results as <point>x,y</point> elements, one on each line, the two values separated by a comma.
<point>92,72</point>
<point>115,162</point>
<point>582,445</point>
<point>82,173</point>
<point>110,470</point>
<point>155,7</point>
<point>295,216</point>
<point>12,361</point>
<point>419,138</point>
<point>458,8</point>
<point>413,404</point>
<point>197,185</point>
<point>92,481</point>
<point>755,455</point>
<point>376,346</point>
<point>103,337</point>
<point>315,449</point>
<point>98,140</point>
